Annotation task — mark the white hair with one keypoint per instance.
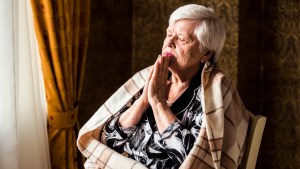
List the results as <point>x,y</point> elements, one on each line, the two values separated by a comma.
<point>210,31</point>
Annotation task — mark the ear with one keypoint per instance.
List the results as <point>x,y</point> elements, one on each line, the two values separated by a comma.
<point>207,56</point>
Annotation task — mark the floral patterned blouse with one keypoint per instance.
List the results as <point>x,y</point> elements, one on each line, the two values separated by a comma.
<point>145,144</point>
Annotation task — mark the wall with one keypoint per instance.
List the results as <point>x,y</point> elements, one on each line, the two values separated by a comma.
<point>108,64</point>
<point>269,76</point>
<point>281,83</point>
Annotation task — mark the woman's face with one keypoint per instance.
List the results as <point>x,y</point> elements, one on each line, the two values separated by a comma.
<point>182,46</point>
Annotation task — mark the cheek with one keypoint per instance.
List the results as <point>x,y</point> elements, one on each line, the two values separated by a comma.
<point>193,55</point>
<point>188,51</point>
<point>182,50</point>
<point>195,50</point>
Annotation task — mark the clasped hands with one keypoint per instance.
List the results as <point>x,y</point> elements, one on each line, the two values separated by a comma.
<point>155,90</point>
<point>154,95</point>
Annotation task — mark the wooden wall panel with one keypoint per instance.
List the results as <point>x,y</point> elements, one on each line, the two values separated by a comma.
<point>281,84</point>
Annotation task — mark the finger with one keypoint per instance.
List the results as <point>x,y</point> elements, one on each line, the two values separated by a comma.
<point>157,59</point>
<point>156,66</point>
<point>159,66</point>
<point>151,72</point>
<point>165,68</point>
<point>150,76</point>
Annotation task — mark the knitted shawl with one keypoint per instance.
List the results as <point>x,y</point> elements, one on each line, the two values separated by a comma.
<point>221,139</point>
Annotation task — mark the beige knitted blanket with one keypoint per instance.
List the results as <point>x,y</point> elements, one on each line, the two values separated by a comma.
<point>221,139</point>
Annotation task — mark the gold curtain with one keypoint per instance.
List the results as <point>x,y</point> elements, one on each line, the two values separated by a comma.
<point>62,29</point>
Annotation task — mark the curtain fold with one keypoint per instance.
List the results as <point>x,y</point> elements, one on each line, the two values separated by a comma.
<point>62,29</point>
<point>8,117</point>
<point>23,134</point>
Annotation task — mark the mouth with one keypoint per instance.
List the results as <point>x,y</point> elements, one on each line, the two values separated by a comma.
<point>169,54</point>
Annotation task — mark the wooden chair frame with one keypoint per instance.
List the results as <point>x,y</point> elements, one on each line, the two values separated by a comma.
<point>254,136</point>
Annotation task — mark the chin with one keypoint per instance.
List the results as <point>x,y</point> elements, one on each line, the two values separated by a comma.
<point>173,65</point>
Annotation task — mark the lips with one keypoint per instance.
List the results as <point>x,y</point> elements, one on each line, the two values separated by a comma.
<point>169,54</point>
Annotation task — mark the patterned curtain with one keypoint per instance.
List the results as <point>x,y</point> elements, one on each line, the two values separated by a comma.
<point>62,29</point>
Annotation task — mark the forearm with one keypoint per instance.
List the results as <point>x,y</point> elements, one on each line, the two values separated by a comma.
<point>163,116</point>
<point>133,115</point>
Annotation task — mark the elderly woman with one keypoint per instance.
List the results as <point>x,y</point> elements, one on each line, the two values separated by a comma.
<point>180,112</point>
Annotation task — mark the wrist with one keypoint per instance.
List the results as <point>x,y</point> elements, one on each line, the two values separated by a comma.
<point>159,105</point>
<point>143,102</point>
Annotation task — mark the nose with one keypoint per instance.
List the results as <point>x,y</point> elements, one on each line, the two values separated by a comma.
<point>170,42</point>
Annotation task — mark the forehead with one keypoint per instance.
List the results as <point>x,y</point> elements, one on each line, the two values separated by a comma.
<point>182,26</point>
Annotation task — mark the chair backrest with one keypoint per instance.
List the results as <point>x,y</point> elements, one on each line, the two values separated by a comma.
<point>254,136</point>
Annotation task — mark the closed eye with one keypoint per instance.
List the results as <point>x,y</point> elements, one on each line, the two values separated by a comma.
<point>181,37</point>
<point>169,35</point>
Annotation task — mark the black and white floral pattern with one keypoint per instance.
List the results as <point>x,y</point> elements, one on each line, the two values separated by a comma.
<point>145,144</point>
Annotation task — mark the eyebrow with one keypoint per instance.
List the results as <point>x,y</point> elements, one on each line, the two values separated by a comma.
<point>184,34</point>
<point>168,30</point>
<point>180,33</point>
